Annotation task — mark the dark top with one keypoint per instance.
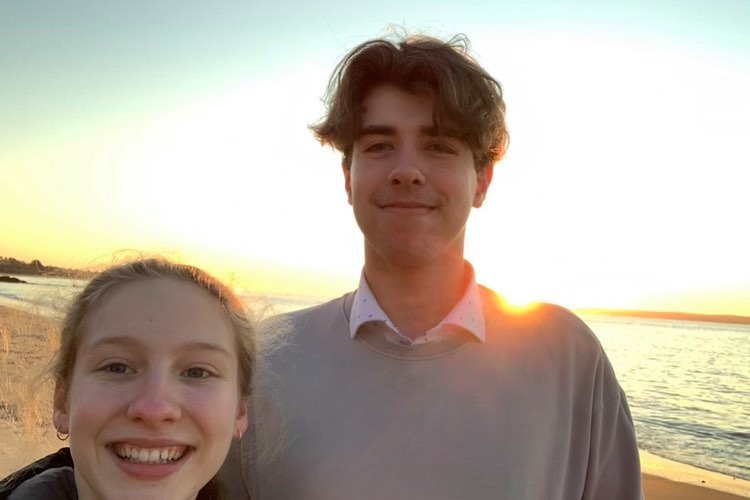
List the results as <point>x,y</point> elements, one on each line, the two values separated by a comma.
<point>52,484</point>
<point>50,478</point>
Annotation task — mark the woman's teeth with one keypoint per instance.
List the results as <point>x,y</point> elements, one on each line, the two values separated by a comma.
<point>149,455</point>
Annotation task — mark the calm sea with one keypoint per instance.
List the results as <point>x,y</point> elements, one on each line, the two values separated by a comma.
<point>688,383</point>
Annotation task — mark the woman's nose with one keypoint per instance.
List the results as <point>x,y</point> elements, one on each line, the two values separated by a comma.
<point>156,400</point>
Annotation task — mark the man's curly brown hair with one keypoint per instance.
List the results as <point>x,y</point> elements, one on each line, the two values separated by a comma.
<point>466,98</point>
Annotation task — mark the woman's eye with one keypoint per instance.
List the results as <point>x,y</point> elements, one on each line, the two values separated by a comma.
<point>117,368</point>
<point>196,373</point>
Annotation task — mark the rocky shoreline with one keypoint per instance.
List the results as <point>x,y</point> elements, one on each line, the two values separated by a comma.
<point>11,279</point>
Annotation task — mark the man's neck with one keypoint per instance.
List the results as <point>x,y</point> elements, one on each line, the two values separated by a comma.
<point>417,299</point>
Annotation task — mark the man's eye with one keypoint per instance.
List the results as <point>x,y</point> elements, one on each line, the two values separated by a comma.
<point>378,147</point>
<point>196,372</point>
<point>441,147</point>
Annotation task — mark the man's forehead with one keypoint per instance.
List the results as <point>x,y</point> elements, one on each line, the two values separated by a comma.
<point>386,108</point>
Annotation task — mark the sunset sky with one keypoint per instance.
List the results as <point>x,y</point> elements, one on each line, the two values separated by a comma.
<point>180,127</point>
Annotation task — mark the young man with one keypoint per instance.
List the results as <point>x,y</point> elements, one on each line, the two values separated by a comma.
<point>420,384</point>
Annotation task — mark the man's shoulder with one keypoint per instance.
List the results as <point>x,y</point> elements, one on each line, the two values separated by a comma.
<point>542,321</point>
<point>319,317</point>
<point>332,307</point>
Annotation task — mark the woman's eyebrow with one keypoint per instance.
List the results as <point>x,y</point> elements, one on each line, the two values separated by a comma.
<point>205,346</point>
<point>126,341</point>
<point>113,340</point>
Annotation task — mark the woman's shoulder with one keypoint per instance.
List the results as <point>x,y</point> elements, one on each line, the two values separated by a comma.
<point>50,477</point>
<point>52,484</point>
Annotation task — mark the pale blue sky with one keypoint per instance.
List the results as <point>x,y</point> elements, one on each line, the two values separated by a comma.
<point>91,58</point>
<point>180,126</point>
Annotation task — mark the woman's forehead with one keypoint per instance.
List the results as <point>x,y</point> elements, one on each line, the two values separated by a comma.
<point>159,310</point>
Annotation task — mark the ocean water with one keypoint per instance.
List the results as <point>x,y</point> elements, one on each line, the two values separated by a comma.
<point>688,386</point>
<point>688,383</point>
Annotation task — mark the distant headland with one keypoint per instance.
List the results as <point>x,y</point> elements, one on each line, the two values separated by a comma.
<point>9,265</point>
<point>709,318</point>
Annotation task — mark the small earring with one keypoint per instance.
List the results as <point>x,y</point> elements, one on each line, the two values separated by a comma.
<point>62,436</point>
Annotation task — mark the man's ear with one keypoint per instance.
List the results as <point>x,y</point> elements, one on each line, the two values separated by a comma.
<point>484,178</point>
<point>346,168</point>
<point>60,416</point>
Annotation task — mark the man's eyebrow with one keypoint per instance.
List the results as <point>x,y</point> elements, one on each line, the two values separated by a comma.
<point>433,131</point>
<point>376,130</point>
<point>428,130</point>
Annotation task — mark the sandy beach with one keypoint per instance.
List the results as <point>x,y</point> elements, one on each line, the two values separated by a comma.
<point>27,342</point>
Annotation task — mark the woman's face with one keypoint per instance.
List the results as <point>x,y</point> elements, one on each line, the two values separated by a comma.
<point>153,401</point>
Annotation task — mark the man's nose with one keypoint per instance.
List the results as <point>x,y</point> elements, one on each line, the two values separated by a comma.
<point>408,169</point>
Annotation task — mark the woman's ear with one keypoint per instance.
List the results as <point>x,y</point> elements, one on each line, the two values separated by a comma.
<point>60,417</point>
<point>240,421</point>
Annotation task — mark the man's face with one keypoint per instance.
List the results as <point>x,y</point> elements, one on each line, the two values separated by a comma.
<point>411,190</point>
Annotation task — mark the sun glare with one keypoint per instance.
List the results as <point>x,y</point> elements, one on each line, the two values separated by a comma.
<point>515,304</point>
<point>518,300</point>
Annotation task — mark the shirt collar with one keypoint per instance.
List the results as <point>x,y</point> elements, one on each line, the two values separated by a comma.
<point>467,313</point>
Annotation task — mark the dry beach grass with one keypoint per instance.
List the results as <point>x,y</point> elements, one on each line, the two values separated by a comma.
<point>28,340</point>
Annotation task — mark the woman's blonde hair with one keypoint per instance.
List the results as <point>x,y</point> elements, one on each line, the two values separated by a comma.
<point>243,324</point>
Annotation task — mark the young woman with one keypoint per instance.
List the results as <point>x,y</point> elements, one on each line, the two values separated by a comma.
<point>151,383</point>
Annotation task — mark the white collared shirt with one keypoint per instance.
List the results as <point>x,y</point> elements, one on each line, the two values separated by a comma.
<point>467,315</point>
